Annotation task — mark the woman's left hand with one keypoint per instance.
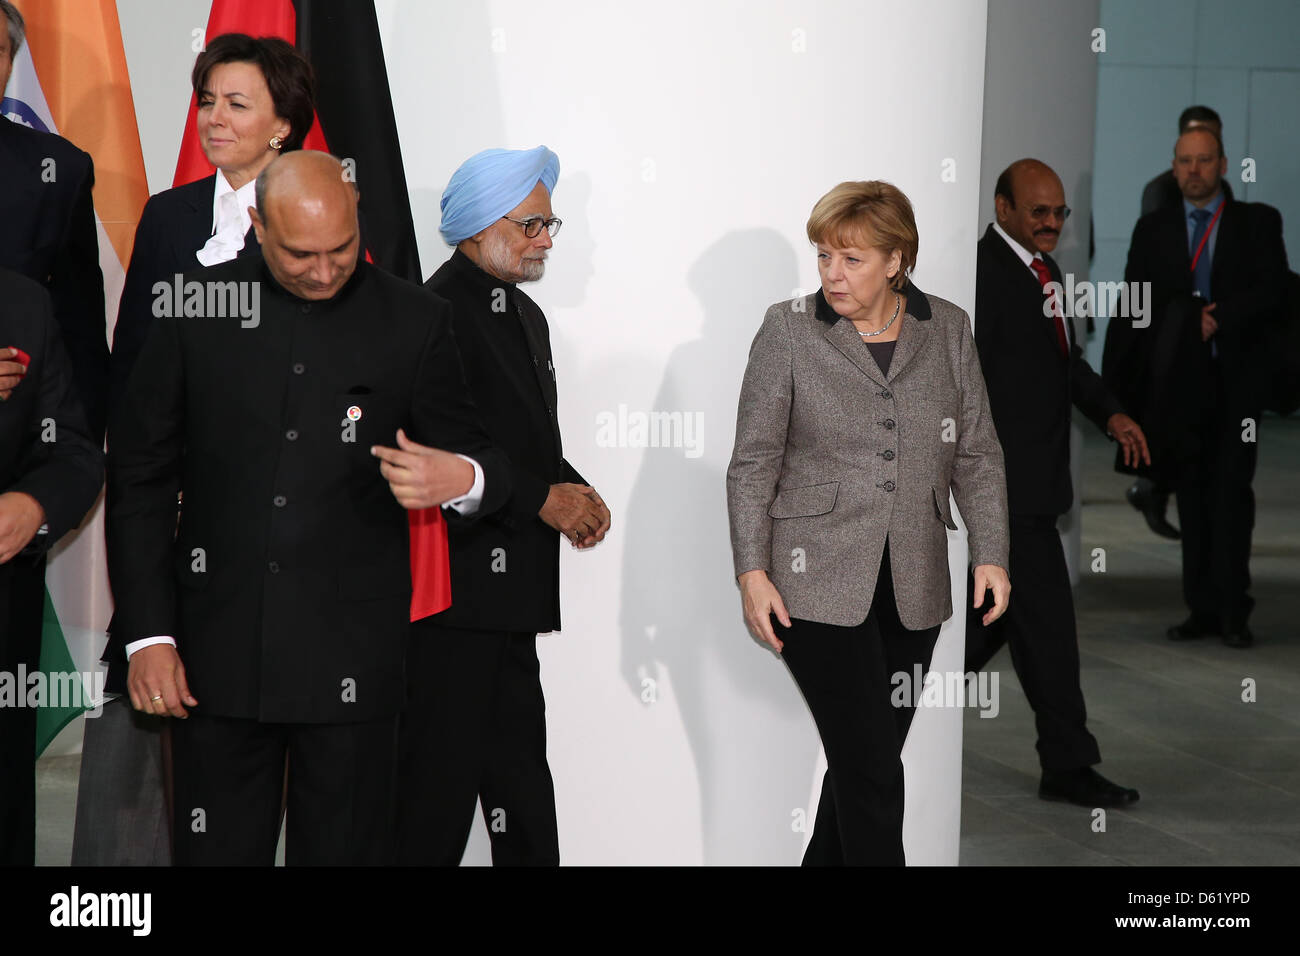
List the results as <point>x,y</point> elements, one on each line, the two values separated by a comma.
<point>990,576</point>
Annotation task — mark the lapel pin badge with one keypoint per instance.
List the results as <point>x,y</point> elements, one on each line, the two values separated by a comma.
<point>354,413</point>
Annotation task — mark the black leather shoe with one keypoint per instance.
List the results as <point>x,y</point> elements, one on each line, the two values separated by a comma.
<point>1239,637</point>
<point>1153,506</point>
<point>1190,630</point>
<point>1085,787</point>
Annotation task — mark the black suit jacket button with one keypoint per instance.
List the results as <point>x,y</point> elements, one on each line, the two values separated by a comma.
<point>291,434</point>
<point>273,567</point>
<point>886,394</point>
<point>888,486</point>
<point>280,501</point>
<point>887,454</point>
<point>306,308</point>
<point>299,368</point>
<point>888,423</point>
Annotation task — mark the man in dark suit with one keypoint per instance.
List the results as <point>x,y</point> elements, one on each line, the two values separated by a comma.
<point>1035,371</point>
<point>1218,270</point>
<point>475,725</point>
<point>48,234</point>
<point>51,470</point>
<point>1146,496</point>
<point>286,587</point>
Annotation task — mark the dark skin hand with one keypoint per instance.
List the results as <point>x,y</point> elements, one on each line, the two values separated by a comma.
<point>1127,432</point>
<point>577,512</point>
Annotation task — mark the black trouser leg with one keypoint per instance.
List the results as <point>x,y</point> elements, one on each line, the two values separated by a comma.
<point>229,775</point>
<point>517,792</point>
<point>22,608</point>
<point>474,728</point>
<point>1195,494</point>
<point>342,792</point>
<point>845,675</point>
<point>1040,628</point>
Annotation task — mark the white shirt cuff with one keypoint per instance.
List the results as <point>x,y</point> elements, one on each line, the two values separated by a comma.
<point>468,503</point>
<point>134,646</point>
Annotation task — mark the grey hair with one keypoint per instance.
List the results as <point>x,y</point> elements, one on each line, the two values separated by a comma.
<point>17,29</point>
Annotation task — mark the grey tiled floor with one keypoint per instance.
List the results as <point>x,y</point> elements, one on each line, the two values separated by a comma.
<point>1219,778</point>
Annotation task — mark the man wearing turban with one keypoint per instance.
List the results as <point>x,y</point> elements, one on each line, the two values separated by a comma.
<point>474,729</point>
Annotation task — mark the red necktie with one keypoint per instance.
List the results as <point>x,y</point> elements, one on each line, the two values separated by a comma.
<point>1044,277</point>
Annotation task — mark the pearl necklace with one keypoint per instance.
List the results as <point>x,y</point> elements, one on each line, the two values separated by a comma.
<point>881,331</point>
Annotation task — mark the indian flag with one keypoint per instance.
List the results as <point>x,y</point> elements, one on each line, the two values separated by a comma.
<point>70,78</point>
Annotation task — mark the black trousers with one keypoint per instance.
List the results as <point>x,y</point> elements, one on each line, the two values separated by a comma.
<point>1039,625</point>
<point>22,608</point>
<point>474,729</point>
<point>845,675</point>
<point>1216,511</point>
<point>230,776</point>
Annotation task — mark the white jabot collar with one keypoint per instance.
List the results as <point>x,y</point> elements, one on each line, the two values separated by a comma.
<point>230,220</point>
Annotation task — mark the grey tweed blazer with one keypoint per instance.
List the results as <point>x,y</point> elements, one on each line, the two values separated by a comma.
<point>832,456</point>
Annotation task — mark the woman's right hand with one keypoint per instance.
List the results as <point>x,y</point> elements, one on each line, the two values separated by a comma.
<point>761,600</point>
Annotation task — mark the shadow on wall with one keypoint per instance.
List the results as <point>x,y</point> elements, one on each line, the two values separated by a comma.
<point>684,639</point>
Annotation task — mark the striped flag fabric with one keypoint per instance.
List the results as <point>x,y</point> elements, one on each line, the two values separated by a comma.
<point>73,55</point>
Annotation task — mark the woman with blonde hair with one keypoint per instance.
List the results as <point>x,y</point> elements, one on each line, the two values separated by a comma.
<point>862,407</point>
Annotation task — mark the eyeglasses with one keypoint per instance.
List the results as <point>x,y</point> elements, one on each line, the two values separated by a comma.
<point>533,225</point>
<point>1040,212</point>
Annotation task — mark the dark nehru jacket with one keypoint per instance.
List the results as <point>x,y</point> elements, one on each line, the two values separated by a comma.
<point>506,348</point>
<point>288,585</point>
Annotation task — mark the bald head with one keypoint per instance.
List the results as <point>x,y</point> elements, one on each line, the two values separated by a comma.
<point>306,177</point>
<point>1030,203</point>
<point>306,221</point>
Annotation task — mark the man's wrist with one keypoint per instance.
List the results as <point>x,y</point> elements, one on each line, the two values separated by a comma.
<point>144,642</point>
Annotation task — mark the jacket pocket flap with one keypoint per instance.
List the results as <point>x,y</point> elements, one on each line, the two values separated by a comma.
<point>806,501</point>
<point>941,508</point>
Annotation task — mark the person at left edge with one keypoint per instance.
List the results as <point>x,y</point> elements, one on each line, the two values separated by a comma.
<point>254,100</point>
<point>51,471</point>
<point>286,589</point>
<point>47,233</point>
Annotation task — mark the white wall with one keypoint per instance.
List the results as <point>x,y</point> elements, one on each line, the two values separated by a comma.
<point>694,139</point>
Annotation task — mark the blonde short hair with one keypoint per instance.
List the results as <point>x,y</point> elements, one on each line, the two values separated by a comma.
<point>870,214</point>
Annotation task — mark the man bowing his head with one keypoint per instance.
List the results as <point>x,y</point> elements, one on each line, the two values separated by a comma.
<point>285,587</point>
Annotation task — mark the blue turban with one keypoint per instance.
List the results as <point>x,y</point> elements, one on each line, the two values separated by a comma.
<point>490,184</point>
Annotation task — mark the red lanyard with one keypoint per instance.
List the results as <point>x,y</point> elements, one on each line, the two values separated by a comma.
<point>1206,238</point>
